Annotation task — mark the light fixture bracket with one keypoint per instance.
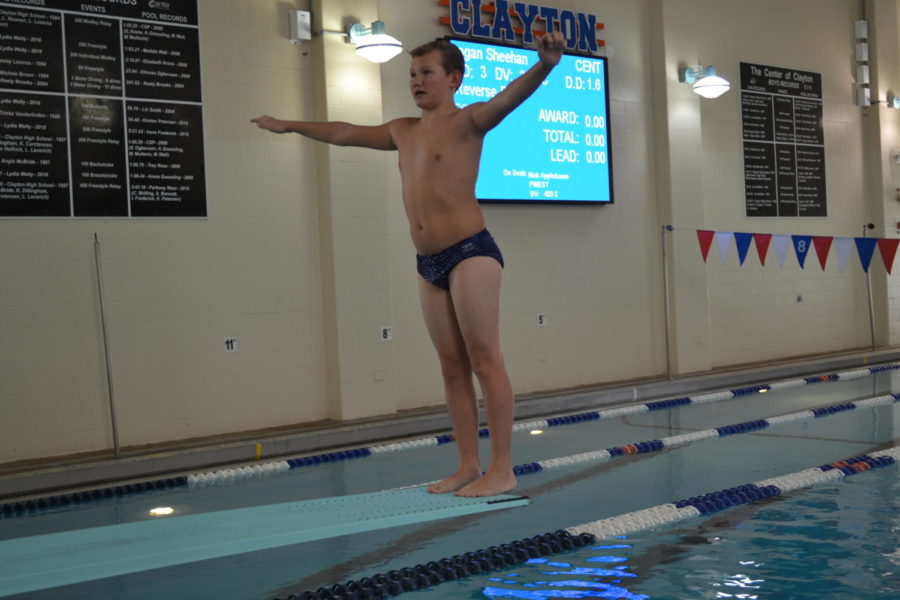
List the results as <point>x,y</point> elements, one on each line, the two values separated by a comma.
<point>358,31</point>
<point>689,75</point>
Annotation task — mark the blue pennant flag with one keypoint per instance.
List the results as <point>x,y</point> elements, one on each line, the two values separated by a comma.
<point>865,247</point>
<point>743,241</point>
<point>801,247</point>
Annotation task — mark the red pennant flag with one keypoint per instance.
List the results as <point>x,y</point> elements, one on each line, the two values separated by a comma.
<point>762,245</point>
<point>705,238</point>
<point>823,245</point>
<point>888,249</point>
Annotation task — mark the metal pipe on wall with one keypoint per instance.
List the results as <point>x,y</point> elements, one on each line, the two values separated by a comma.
<point>665,265</point>
<point>109,374</point>
<point>869,290</point>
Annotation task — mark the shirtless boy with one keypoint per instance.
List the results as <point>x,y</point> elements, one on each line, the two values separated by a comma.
<point>458,260</point>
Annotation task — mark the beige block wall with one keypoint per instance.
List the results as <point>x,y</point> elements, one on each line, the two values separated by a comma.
<point>832,313</point>
<point>306,251</point>
<point>175,289</point>
<point>886,214</point>
<point>753,312</point>
<point>354,228</point>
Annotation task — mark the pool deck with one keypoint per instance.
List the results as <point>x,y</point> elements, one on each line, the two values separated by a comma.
<point>22,480</point>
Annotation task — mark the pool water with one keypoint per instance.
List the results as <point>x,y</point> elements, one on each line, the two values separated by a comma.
<point>839,541</point>
<point>840,537</point>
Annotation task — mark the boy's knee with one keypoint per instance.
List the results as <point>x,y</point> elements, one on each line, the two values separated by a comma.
<point>485,363</point>
<point>455,367</point>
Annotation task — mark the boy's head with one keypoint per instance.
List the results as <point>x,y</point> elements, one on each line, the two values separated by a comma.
<point>451,56</point>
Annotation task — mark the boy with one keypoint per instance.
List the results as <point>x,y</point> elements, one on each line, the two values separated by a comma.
<point>458,260</point>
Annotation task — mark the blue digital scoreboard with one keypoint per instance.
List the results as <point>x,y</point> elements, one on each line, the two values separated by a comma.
<point>554,148</point>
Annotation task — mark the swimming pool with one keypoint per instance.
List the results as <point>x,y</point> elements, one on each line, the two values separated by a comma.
<point>561,497</point>
<point>834,541</point>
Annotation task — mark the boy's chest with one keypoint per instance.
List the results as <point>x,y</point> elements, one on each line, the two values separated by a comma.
<point>444,142</point>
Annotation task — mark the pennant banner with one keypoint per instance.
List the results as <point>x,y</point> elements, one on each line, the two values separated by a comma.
<point>843,245</point>
<point>781,247</point>
<point>743,244</point>
<point>823,245</point>
<point>762,245</point>
<point>888,249</point>
<point>801,247</point>
<point>865,247</point>
<point>705,238</point>
<point>723,240</point>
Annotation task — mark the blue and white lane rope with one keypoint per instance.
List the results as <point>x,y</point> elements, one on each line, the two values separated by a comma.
<point>505,556</point>
<point>261,470</point>
<point>685,439</point>
<point>666,514</point>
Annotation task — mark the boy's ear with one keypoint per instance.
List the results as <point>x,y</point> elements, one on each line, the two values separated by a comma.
<point>456,78</point>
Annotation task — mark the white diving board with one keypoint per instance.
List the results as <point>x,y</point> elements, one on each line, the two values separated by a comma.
<point>57,559</point>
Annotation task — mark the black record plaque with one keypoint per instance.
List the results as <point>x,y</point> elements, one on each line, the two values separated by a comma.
<point>163,141</point>
<point>759,178</point>
<point>34,166</point>
<point>30,50</point>
<point>92,57</point>
<point>161,62</point>
<point>98,157</point>
<point>100,109</point>
<point>784,142</point>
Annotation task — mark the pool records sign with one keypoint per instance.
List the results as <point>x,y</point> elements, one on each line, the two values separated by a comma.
<point>784,142</point>
<point>100,109</point>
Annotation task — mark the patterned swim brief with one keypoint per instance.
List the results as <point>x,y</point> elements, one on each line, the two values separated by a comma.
<point>435,268</point>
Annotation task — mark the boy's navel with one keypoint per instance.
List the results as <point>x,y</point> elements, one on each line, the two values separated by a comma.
<point>437,157</point>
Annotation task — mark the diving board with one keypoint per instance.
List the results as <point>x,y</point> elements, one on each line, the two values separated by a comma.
<point>56,559</point>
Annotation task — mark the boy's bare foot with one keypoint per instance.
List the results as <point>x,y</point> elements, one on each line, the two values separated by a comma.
<point>491,484</point>
<point>454,482</point>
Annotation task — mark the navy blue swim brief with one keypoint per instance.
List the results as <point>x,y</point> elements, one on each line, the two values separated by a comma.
<point>435,268</point>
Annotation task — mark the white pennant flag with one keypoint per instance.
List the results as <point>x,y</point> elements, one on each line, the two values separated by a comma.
<point>781,244</point>
<point>844,246</point>
<point>723,241</point>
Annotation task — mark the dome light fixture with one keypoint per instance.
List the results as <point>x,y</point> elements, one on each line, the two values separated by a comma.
<point>373,44</point>
<point>705,82</point>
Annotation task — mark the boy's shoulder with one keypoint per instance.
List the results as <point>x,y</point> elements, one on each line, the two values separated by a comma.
<point>404,121</point>
<point>402,125</point>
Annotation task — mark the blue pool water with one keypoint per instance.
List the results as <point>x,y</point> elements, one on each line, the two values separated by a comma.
<point>838,540</point>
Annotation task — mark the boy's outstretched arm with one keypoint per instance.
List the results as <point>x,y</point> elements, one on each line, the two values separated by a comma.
<point>487,115</point>
<point>377,137</point>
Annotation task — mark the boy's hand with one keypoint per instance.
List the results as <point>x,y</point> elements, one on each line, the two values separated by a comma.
<point>270,124</point>
<point>550,48</point>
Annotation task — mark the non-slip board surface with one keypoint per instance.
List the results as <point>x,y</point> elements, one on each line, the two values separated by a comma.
<point>57,559</point>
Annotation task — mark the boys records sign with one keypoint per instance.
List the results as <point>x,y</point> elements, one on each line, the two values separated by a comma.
<point>784,142</point>
<point>100,109</point>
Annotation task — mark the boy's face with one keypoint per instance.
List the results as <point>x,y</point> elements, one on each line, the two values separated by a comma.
<point>429,83</point>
